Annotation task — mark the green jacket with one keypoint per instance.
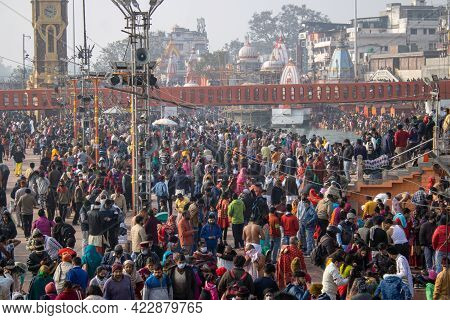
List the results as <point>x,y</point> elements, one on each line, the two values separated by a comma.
<point>236,211</point>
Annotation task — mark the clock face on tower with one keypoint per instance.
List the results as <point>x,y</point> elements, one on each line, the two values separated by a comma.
<point>50,11</point>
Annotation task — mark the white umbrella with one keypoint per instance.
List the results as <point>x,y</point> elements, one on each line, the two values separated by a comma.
<point>165,122</point>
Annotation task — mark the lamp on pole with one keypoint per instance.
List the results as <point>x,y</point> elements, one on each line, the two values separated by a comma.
<point>138,26</point>
<point>24,57</point>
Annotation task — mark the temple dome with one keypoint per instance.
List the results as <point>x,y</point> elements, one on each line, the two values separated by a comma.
<point>248,52</point>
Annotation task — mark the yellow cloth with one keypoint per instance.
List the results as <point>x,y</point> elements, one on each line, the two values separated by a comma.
<point>185,153</point>
<point>55,153</point>
<point>446,124</point>
<point>28,172</point>
<point>179,205</point>
<point>18,170</point>
<point>369,208</point>
<point>345,272</point>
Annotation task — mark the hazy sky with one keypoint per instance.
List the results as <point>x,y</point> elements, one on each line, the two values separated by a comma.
<point>225,19</point>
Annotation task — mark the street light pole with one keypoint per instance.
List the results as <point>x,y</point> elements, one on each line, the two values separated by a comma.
<point>138,25</point>
<point>355,25</point>
<point>24,57</point>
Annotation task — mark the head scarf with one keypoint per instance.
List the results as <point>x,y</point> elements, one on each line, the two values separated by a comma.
<point>166,256</point>
<point>92,259</point>
<point>135,276</point>
<point>43,271</point>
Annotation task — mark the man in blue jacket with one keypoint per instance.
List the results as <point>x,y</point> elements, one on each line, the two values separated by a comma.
<point>77,275</point>
<point>211,232</point>
<point>392,287</point>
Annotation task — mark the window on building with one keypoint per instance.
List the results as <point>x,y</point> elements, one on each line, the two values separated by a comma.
<point>51,40</point>
<point>413,31</point>
<point>385,48</point>
<point>432,31</point>
<point>425,31</point>
<point>432,46</point>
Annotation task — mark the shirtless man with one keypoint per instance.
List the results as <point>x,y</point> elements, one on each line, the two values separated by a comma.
<point>252,234</point>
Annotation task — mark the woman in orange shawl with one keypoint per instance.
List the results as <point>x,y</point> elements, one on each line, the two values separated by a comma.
<point>222,212</point>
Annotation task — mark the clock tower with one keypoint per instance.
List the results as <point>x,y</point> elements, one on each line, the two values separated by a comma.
<point>50,19</point>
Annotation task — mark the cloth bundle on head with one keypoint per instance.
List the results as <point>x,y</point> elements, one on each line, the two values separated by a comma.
<point>116,266</point>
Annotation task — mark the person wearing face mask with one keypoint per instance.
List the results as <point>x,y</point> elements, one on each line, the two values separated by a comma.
<point>119,286</point>
<point>158,285</point>
<point>202,255</point>
<point>144,254</point>
<point>182,278</point>
<point>211,234</point>
<point>100,278</point>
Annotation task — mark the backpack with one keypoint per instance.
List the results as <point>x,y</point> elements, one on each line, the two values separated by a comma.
<point>67,232</point>
<point>235,284</point>
<point>318,256</point>
<point>260,210</point>
<point>346,233</point>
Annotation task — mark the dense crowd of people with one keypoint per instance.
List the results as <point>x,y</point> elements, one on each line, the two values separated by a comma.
<point>282,197</point>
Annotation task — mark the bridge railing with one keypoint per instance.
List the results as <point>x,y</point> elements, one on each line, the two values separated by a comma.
<point>319,93</point>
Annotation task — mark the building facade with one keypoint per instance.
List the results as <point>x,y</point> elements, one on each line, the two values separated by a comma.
<point>50,42</point>
<point>182,44</point>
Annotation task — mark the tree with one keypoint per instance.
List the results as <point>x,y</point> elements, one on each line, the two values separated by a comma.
<point>5,70</point>
<point>16,75</point>
<point>233,48</point>
<point>210,65</point>
<point>266,27</point>
<point>121,51</point>
<point>113,52</point>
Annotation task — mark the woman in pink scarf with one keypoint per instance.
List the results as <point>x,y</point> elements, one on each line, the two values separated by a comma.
<point>187,166</point>
<point>241,180</point>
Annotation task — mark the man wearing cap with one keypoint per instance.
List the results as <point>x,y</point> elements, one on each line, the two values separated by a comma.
<point>116,256</point>
<point>348,228</point>
<point>119,286</point>
<point>146,252</point>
